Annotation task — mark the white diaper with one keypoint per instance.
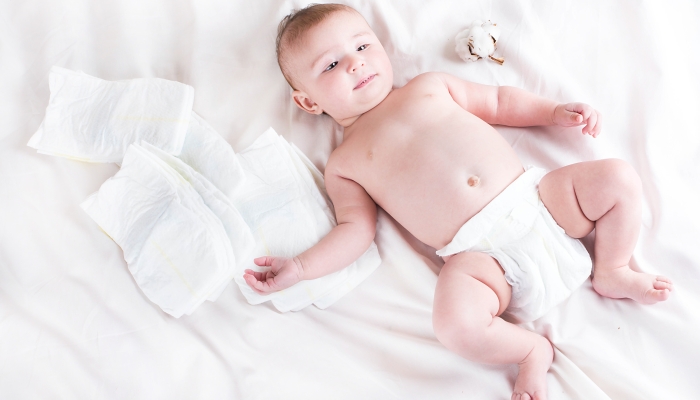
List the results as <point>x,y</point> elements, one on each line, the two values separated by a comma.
<point>182,238</point>
<point>283,200</point>
<point>542,263</point>
<point>90,119</point>
<point>189,225</point>
<point>209,154</point>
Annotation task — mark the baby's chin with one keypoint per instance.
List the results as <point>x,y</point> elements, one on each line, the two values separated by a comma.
<point>361,102</point>
<point>382,94</point>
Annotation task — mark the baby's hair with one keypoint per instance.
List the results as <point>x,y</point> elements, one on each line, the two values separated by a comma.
<point>296,24</point>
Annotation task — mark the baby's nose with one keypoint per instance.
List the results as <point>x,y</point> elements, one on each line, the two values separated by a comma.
<point>356,63</point>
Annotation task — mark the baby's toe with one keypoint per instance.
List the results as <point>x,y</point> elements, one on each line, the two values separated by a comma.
<point>655,296</point>
<point>661,284</point>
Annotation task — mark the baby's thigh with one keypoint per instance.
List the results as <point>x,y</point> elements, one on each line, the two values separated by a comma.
<point>559,195</point>
<point>470,282</point>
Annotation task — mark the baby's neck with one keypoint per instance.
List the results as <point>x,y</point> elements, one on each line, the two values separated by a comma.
<point>347,123</point>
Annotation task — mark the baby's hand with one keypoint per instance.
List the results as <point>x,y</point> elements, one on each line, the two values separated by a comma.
<point>574,114</point>
<point>283,273</point>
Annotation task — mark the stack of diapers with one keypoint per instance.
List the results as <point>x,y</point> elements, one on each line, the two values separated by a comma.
<point>210,155</point>
<point>180,235</point>
<point>190,214</point>
<point>289,212</point>
<point>90,119</point>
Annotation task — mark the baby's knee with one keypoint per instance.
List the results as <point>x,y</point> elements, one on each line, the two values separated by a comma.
<point>623,176</point>
<point>460,333</point>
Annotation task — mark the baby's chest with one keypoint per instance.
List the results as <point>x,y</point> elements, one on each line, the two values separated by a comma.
<point>393,154</point>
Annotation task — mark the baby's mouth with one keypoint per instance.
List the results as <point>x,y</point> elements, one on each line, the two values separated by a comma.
<point>365,81</point>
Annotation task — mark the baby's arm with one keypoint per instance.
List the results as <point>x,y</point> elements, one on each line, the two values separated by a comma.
<point>506,105</point>
<point>356,215</point>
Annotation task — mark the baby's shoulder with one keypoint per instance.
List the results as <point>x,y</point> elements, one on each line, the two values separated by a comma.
<point>427,80</point>
<point>337,158</point>
<point>342,158</point>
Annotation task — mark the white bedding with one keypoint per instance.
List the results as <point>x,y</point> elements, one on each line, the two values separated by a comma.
<point>73,323</point>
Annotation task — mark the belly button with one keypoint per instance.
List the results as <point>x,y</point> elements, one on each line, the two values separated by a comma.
<point>473,181</point>
<point>369,155</point>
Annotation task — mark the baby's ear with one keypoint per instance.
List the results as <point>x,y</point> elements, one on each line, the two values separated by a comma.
<point>304,102</point>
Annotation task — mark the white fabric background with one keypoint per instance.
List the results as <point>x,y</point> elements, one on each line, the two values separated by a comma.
<point>73,323</point>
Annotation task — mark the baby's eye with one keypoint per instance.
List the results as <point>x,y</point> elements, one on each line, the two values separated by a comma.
<point>364,46</point>
<point>332,65</point>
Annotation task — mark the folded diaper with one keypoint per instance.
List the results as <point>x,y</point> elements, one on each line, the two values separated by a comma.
<point>209,154</point>
<point>239,236</point>
<point>94,120</point>
<point>181,237</point>
<point>283,204</point>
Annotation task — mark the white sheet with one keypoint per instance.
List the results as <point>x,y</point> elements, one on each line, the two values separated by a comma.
<point>73,323</point>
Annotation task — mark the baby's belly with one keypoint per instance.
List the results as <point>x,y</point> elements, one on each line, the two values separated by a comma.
<point>434,216</point>
<point>433,196</point>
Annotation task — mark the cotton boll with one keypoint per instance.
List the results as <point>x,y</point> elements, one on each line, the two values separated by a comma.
<point>463,46</point>
<point>482,43</point>
<point>492,30</point>
<point>478,41</point>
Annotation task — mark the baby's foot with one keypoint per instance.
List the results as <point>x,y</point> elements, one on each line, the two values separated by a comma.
<point>623,282</point>
<point>531,383</point>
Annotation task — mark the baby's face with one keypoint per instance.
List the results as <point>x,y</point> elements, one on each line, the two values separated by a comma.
<point>340,68</point>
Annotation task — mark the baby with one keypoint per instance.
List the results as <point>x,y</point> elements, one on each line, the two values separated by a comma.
<point>427,154</point>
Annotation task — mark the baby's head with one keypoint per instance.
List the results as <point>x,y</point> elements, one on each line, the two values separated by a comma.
<point>333,61</point>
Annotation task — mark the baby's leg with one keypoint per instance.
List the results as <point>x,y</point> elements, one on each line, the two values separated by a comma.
<point>471,292</point>
<point>607,195</point>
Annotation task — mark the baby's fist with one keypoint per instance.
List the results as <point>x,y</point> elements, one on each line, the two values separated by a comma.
<point>574,114</point>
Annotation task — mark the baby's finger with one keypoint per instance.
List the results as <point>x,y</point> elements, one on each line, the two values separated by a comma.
<point>575,107</point>
<point>253,283</point>
<point>261,276</point>
<point>575,118</point>
<point>581,108</point>
<point>598,125</point>
<point>590,123</point>
<point>265,261</point>
<point>261,287</point>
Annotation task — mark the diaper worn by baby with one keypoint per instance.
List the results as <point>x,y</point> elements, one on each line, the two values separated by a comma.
<point>542,264</point>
